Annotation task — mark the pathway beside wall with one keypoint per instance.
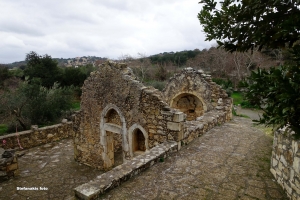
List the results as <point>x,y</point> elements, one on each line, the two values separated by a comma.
<point>231,161</point>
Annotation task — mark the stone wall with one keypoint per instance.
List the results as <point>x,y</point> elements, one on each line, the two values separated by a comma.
<point>194,93</point>
<point>115,107</point>
<point>285,163</point>
<point>37,136</point>
<point>113,89</point>
<point>115,177</point>
<point>8,164</point>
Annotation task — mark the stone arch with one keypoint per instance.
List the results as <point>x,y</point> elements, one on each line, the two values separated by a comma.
<point>136,127</point>
<point>120,129</point>
<point>189,103</point>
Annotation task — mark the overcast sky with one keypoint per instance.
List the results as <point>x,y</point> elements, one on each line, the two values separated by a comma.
<point>111,28</point>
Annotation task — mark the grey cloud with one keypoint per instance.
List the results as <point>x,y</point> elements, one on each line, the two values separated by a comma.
<point>102,28</point>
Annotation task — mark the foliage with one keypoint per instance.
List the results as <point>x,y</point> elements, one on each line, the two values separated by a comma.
<point>161,73</point>
<point>160,85</point>
<point>3,129</point>
<point>247,104</point>
<point>42,67</point>
<point>237,98</point>
<point>277,93</point>
<point>243,25</point>
<point>17,73</point>
<point>178,58</point>
<point>73,76</point>
<point>75,105</point>
<point>32,103</point>
<point>4,74</point>
<point>227,85</point>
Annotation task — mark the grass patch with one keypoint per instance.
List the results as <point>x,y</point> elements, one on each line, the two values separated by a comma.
<point>238,98</point>
<point>266,129</point>
<point>76,105</point>
<point>3,129</point>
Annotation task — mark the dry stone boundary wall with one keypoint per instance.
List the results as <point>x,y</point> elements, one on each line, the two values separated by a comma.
<point>37,136</point>
<point>285,163</point>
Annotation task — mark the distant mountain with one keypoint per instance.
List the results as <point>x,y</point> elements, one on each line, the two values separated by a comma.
<point>65,62</point>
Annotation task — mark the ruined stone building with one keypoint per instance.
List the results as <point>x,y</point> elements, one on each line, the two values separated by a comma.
<point>119,116</point>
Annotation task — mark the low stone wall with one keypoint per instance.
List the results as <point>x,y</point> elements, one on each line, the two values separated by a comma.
<point>121,173</point>
<point>37,136</point>
<point>285,163</point>
<point>194,129</point>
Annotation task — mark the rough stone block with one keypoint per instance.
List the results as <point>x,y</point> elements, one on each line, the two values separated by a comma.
<point>292,174</point>
<point>273,172</point>
<point>288,188</point>
<point>12,167</point>
<point>179,117</point>
<point>173,126</point>
<point>296,164</point>
<point>282,159</point>
<point>294,146</point>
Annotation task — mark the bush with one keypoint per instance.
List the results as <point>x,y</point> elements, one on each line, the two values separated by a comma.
<point>3,129</point>
<point>223,83</point>
<point>227,85</point>
<point>32,103</point>
<point>247,104</point>
<point>277,93</point>
<point>238,97</point>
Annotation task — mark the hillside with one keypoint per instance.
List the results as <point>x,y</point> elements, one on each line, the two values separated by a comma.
<point>65,62</point>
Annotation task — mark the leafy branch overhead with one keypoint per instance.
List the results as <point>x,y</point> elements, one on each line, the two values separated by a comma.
<point>240,25</point>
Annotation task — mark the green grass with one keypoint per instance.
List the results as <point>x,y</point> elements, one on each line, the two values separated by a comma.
<point>238,98</point>
<point>3,129</point>
<point>76,105</point>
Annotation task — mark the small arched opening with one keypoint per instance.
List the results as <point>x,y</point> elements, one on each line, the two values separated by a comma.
<point>138,140</point>
<point>189,104</point>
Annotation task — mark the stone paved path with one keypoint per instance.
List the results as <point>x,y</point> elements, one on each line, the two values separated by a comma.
<point>229,162</point>
<point>51,166</point>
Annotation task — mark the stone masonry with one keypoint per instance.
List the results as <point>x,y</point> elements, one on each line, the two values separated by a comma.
<point>194,93</point>
<point>285,163</point>
<point>8,164</point>
<point>37,136</point>
<point>120,114</point>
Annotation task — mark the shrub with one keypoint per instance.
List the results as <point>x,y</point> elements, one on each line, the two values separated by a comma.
<point>277,93</point>
<point>3,129</point>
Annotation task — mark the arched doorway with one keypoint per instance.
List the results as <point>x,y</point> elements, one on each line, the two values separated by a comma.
<point>113,136</point>
<point>189,104</point>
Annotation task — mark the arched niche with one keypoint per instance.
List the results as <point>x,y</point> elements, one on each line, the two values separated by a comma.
<point>190,104</point>
<point>138,139</point>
